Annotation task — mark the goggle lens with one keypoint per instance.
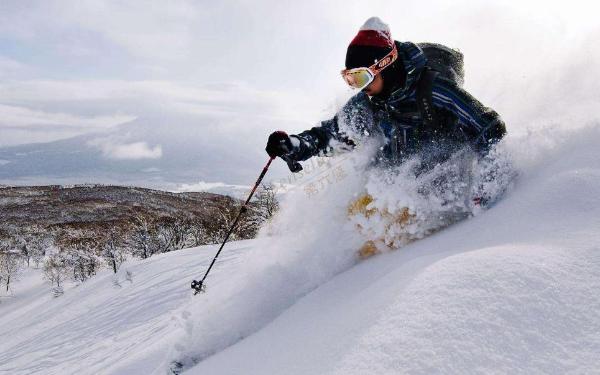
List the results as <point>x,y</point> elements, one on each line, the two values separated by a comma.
<point>358,78</point>
<point>361,77</point>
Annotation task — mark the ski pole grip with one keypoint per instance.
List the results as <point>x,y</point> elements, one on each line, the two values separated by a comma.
<point>293,165</point>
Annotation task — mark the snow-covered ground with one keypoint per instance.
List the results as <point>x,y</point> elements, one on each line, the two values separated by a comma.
<point>99,327</point>
<point>511,290</point>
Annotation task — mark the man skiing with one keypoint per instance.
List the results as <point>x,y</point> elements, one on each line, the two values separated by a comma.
<point>415,107</point>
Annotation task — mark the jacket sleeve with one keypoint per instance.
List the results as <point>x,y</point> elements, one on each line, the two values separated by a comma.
<point>354,116</point>
<point>315,140</point>
<point>482,126</point>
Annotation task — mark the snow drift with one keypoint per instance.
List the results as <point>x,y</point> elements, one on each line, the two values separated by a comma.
<point>512,289</point>
<point>509,291</point>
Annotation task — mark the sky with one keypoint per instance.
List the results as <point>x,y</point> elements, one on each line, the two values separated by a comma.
<point>185,93</point>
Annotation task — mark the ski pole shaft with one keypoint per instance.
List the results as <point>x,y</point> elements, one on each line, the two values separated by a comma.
<point>198,286</point>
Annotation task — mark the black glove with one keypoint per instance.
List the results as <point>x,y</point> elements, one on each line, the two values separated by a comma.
<point>279,144</point>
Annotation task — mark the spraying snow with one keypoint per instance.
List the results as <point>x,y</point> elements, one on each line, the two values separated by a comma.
<point>511,289</point>
<point>316,239</point>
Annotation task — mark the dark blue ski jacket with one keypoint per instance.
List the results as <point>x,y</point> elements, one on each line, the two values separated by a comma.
<point>396,118</point>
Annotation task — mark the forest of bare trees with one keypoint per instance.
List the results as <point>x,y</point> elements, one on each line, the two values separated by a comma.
<point>78,252</point>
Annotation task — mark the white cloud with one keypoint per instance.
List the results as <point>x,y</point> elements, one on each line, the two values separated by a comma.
<point>151,170</point>
<point>9,66</point>
<point>207,186</point>
<point>20,124</point>
<point>214,99</point>
<point>112,149</point>
<point>84,106</point>
<point>139,28</point>
<point>236,191</point>
<point>17,116</point>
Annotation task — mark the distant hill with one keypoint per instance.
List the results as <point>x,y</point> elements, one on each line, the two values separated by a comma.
<point>90,205</point>
<point>85,217</point>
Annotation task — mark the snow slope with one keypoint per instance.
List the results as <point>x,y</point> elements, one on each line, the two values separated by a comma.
<point>512,290</point>
<point>97,327</point>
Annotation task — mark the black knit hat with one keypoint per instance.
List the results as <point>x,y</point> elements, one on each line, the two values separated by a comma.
<point>372,42</point>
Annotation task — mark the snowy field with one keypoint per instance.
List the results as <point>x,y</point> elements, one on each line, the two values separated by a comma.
<point>512,290</point>
<point>98,327</point>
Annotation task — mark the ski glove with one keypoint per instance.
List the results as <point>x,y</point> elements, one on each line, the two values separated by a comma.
<point>279,144</point>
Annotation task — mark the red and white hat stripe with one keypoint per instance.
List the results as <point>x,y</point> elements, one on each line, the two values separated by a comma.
<point>374,33</point>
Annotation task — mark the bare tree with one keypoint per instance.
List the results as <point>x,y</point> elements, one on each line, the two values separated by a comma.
<point>38,245</point>
<point>141,238</point>
<point>199,233</point>
<point>80,252</point>
<point>82,263</point>
<point>11,264</point>
<point>112,251</point>
<point>266,201</point>
<point>175,234</point>
<point>20,243</point>
<point>219,225</point>
<point>248,224</point>
<point>32,244</point>
<point>55,271</point>
<point>260,210</point>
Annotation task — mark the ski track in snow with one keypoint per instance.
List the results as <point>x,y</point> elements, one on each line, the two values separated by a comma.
<point>96,325</point>
<point>513,290</point>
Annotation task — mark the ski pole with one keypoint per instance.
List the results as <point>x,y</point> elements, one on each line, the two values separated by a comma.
<point>198,286</point>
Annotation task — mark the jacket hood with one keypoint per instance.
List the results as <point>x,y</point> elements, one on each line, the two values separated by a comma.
<point>412,61</point>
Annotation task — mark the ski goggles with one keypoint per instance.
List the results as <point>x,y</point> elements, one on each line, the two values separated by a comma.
<point>359,78</point>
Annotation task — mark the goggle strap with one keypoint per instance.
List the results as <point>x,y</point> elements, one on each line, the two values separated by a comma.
<point>386,61</point>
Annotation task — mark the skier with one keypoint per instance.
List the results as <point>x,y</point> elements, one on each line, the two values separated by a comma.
<point>411,100</point>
